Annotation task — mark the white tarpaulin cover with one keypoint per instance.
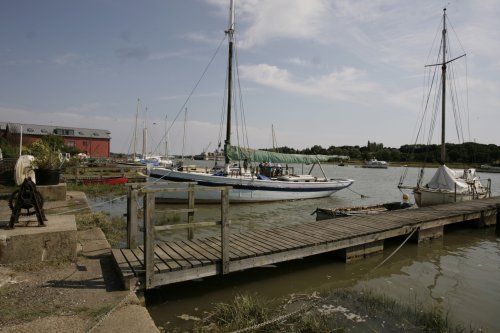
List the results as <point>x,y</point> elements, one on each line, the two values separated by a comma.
<point>446,179</point>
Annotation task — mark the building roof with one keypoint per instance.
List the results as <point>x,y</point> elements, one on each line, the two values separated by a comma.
<point>40,130</point>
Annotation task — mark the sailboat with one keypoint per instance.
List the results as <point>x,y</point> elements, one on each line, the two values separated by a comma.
<point>144,159</point>
<point>447,185</point>
<point>273,180</point>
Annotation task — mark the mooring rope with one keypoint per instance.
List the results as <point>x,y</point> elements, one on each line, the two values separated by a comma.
<point>106,315</point>
<point>362,195</point>
<point>304,308</point>
<point>396,250</point>
<point>279,318</point>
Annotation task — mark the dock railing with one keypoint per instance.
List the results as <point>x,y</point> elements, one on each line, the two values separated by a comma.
<point>148,191</point>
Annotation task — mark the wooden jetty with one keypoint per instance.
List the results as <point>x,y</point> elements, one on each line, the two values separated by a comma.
<point>160,263</point>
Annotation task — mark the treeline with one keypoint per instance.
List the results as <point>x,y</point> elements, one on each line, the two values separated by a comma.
<point>469,152</point>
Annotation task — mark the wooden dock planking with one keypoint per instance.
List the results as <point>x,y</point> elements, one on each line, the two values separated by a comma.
<point>275,241</point>
<point>208,257</point>
<point>189,255</point>
<point>174,256</point>
<point>191,259</point>
<point>209,251</point>
<point>254,243</point>
<point>170,264</point>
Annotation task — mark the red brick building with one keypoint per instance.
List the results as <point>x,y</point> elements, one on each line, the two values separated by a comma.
<point>94,142</point>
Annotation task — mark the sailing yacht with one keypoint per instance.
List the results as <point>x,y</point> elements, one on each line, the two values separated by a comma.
<point>447,185</point>
<point>273,180</point>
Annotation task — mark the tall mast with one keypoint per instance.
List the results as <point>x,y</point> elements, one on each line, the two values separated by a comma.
<point>443,96</point>
<point>135,129</point>
<point>230,33</point>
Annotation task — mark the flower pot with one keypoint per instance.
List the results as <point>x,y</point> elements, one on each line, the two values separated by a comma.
<point>47,176</point>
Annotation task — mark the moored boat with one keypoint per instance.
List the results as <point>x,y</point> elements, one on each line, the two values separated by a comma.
<point>269,181</point>
<point>375,164</point>
<point>331,213</point>
<point>446,185</point>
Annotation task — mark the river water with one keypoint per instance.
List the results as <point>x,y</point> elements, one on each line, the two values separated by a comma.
<point>460,273</point>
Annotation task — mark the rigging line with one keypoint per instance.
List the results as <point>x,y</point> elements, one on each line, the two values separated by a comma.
<point>456,106</point>
<point>246,142</point>
<point>194,88</point>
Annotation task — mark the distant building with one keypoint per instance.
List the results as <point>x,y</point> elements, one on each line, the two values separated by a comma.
<point>94,142</point>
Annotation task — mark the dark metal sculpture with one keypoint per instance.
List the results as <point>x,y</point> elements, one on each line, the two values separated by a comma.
<point>27,198</point>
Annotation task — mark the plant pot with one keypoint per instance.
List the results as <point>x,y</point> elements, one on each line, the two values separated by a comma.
<point>47,176</point>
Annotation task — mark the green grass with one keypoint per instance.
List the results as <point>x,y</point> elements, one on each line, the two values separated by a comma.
<point>99,190</point>
<point>113,227</point>
<point>378,312</point>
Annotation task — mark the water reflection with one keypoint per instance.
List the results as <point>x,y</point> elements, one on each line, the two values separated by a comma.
<point>458,273</point>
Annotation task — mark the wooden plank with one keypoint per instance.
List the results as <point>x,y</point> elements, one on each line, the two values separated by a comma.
<point>342,230</point>
<point>297,234</point>
<point>209,251</point>
<point>201,252</point>
<point>188,254</point>
<point>166,259</point>
<point>278,240</point>
<point>254,244</point>
<point>133,262</point>
<point>235,242</point>
<point>149,238</point>
<point>160,265</point>
<point>122,263</point>
<point>215,242</point>
<point>132,226</point>
<point>225,231</point>
<point>174,255</point>
<point>319,236</point>
<point>177,211</point>
<point>271,245</point>
<point>187,225</point>
<point>283,239</point>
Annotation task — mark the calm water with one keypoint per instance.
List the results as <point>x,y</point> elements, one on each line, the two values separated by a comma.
<point>460,273</point>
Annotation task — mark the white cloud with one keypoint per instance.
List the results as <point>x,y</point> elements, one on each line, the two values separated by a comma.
<point>340,85</point>
<point>65,59</point>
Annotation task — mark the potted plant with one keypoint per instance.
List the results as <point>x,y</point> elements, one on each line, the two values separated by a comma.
<point>47,162</point>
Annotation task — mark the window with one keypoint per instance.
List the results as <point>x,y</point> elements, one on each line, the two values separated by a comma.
<point>64,131</point>
<point>70,143</point>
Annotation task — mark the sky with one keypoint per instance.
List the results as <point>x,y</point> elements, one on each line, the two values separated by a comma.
<point>315,72</point>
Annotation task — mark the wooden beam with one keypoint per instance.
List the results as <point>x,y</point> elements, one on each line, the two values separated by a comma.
<point>149,238</point>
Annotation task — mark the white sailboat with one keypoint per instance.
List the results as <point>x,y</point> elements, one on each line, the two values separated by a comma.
<point>447,185</point>
<point>266,182</point>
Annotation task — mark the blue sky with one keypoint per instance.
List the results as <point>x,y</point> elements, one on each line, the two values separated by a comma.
<point>322,72</point>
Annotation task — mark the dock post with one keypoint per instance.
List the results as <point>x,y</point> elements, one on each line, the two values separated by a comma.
<point>428,234</point>
<point>358,252</point>
<point>488,218</point>
<point>132,217</point>
<point>149,238</point>
<point>190,218</point>
<point>225,230</point>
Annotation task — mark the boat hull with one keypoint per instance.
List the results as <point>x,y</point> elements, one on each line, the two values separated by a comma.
<point>244,189</point>
<point>429,197</point>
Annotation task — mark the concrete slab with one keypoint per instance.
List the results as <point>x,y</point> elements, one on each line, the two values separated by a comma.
<point>29,243</point>
<point>53,192</point>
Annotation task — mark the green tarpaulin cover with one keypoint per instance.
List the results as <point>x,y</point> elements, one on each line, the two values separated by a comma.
<point>253,155</point>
